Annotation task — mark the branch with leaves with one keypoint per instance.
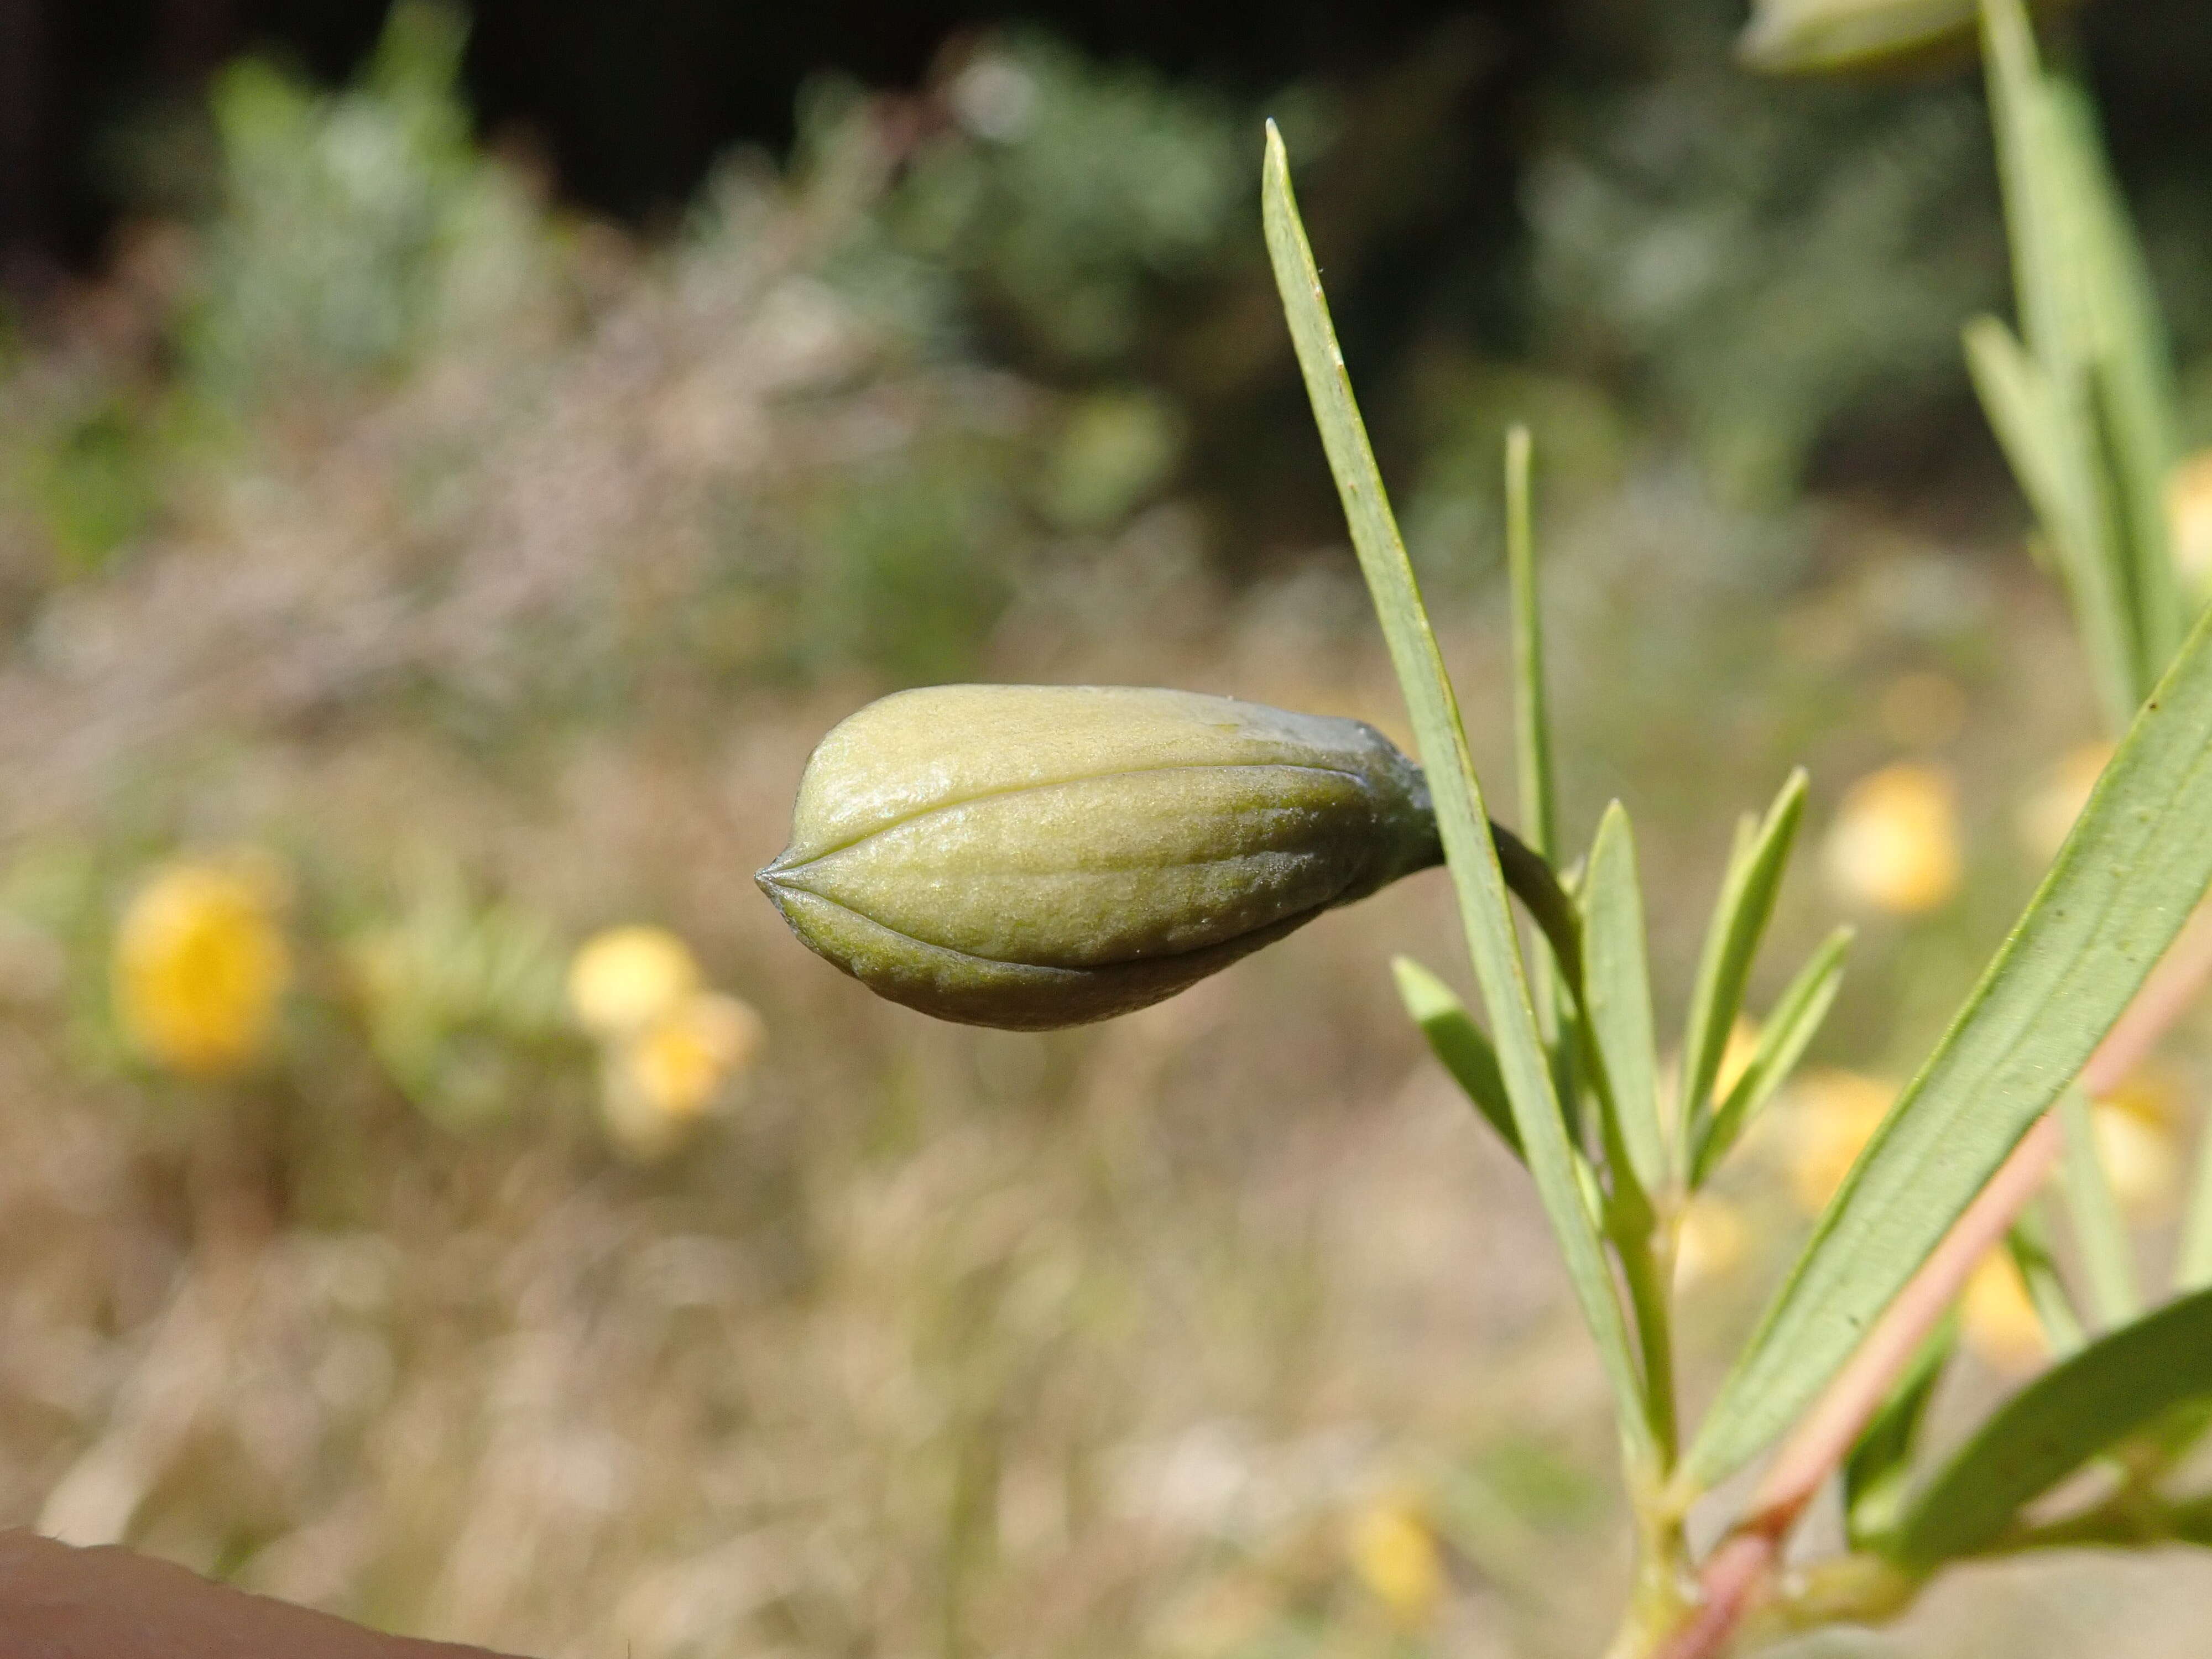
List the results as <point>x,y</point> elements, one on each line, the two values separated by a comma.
<point>1846,1356</point>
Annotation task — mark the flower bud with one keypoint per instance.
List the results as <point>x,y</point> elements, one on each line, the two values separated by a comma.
<point>1035,856</point>
<point>1828,37</point>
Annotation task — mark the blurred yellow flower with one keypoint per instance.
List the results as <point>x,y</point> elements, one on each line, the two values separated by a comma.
<point>201,966</point>
<point>2051,808</point>
<point>1711,1239</point>
<point>1997,1319</point>
<point>2189,514</point>
<point>1735,1056</point>
<point>1833,1114</point>
<point>1394,1552</point>
<point>624,978</point>
<point>660,1081</point>
<point>1894,843</point>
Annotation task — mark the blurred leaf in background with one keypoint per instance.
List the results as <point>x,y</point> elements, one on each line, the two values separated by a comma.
<point>360,229</point>
<point>461,998</point>
<point>1756,262</point>
<point>1065,193</point>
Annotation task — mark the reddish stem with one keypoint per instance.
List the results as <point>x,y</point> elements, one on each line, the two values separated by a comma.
<point>1736,1573</point>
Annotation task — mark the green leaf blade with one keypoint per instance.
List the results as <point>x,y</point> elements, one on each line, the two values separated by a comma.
<point>2100,1232</point>
<point>1458,1044</point>
<point>1880,1463</point>
<point>1469,850</point>
<point>1617,981</point>
<point>2131,372</point>
<point>2133,868</point>
<point>1789,1030</point>
<point>1747,903</point>
<point>2119,1384</point>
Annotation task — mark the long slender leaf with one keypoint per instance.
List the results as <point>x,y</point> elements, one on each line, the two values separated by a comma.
<point>1532,748</point>
<point>2100,1232</point>
<point>2132,869</point>
<point>1458,1042</point>
<point>1747,902</point>
<point>2119,1384</point>
<point>2192,1262</point>
<point>2022,409</point>
<point>2131,370</point>
<point>1532,716</point>
<point>1460,815</point>
<point>1876,1473</point>
<point>1795,1021</point>
<point>1617,985</point>
<point>2028,1243</point>
<point>2042,176</point>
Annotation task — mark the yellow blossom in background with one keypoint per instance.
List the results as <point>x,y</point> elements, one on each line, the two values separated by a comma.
<point>1735,1056</point>
<point>1710,1241</point>
<point>624,978</point>
<point>1394,1552</point>
<point>2189,514</point>
<point>660,1081</point>
<point>2134,1128</point>
<point>2049,809</point>
<point>1894,843</point>
<point>1832,1115</point>
<point>1997,1319</point>
<point>201,966</point>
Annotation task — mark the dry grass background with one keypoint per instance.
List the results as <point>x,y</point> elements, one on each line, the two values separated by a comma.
<point>935,1342</point>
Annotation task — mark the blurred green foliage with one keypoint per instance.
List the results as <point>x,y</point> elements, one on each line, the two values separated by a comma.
<point>95,484</point>
<point>1753,262</point>
<point>1063,193</point>
<point>359,230</point>
<point>461,998</point>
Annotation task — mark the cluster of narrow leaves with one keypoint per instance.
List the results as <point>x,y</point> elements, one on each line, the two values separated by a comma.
<point>2083,398</point>
<point>1569,1073</point>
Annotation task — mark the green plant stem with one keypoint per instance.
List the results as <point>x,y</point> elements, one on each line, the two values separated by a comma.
<point>1647,1264</point>
<point>1529,876</point>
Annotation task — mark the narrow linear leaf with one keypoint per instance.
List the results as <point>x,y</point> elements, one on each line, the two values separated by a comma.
<point>1468,848</point>
<point>2119,1384</point>
<point>1618,987</point>
<point>1458,1043</point>
<point>2192,1262</point>
<point>2021,119</point>
<point>1877,1473</point>
<point>2131,372</point>
<point>2100,1232</point>
<point>2022,409</point>
<point>2028,1243</point>
<point>1532,747</point>
<point>1789,1029</point>
<point>1532,716</point>
<point>1740,919</point>
<point>2042,174</point>
<point>2130,871</point>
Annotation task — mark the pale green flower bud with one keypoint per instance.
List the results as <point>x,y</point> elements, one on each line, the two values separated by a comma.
<point>1817,37</point>
<point>1034,856</point>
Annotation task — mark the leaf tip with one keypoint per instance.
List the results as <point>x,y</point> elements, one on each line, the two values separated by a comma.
<point>1425,996</point>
